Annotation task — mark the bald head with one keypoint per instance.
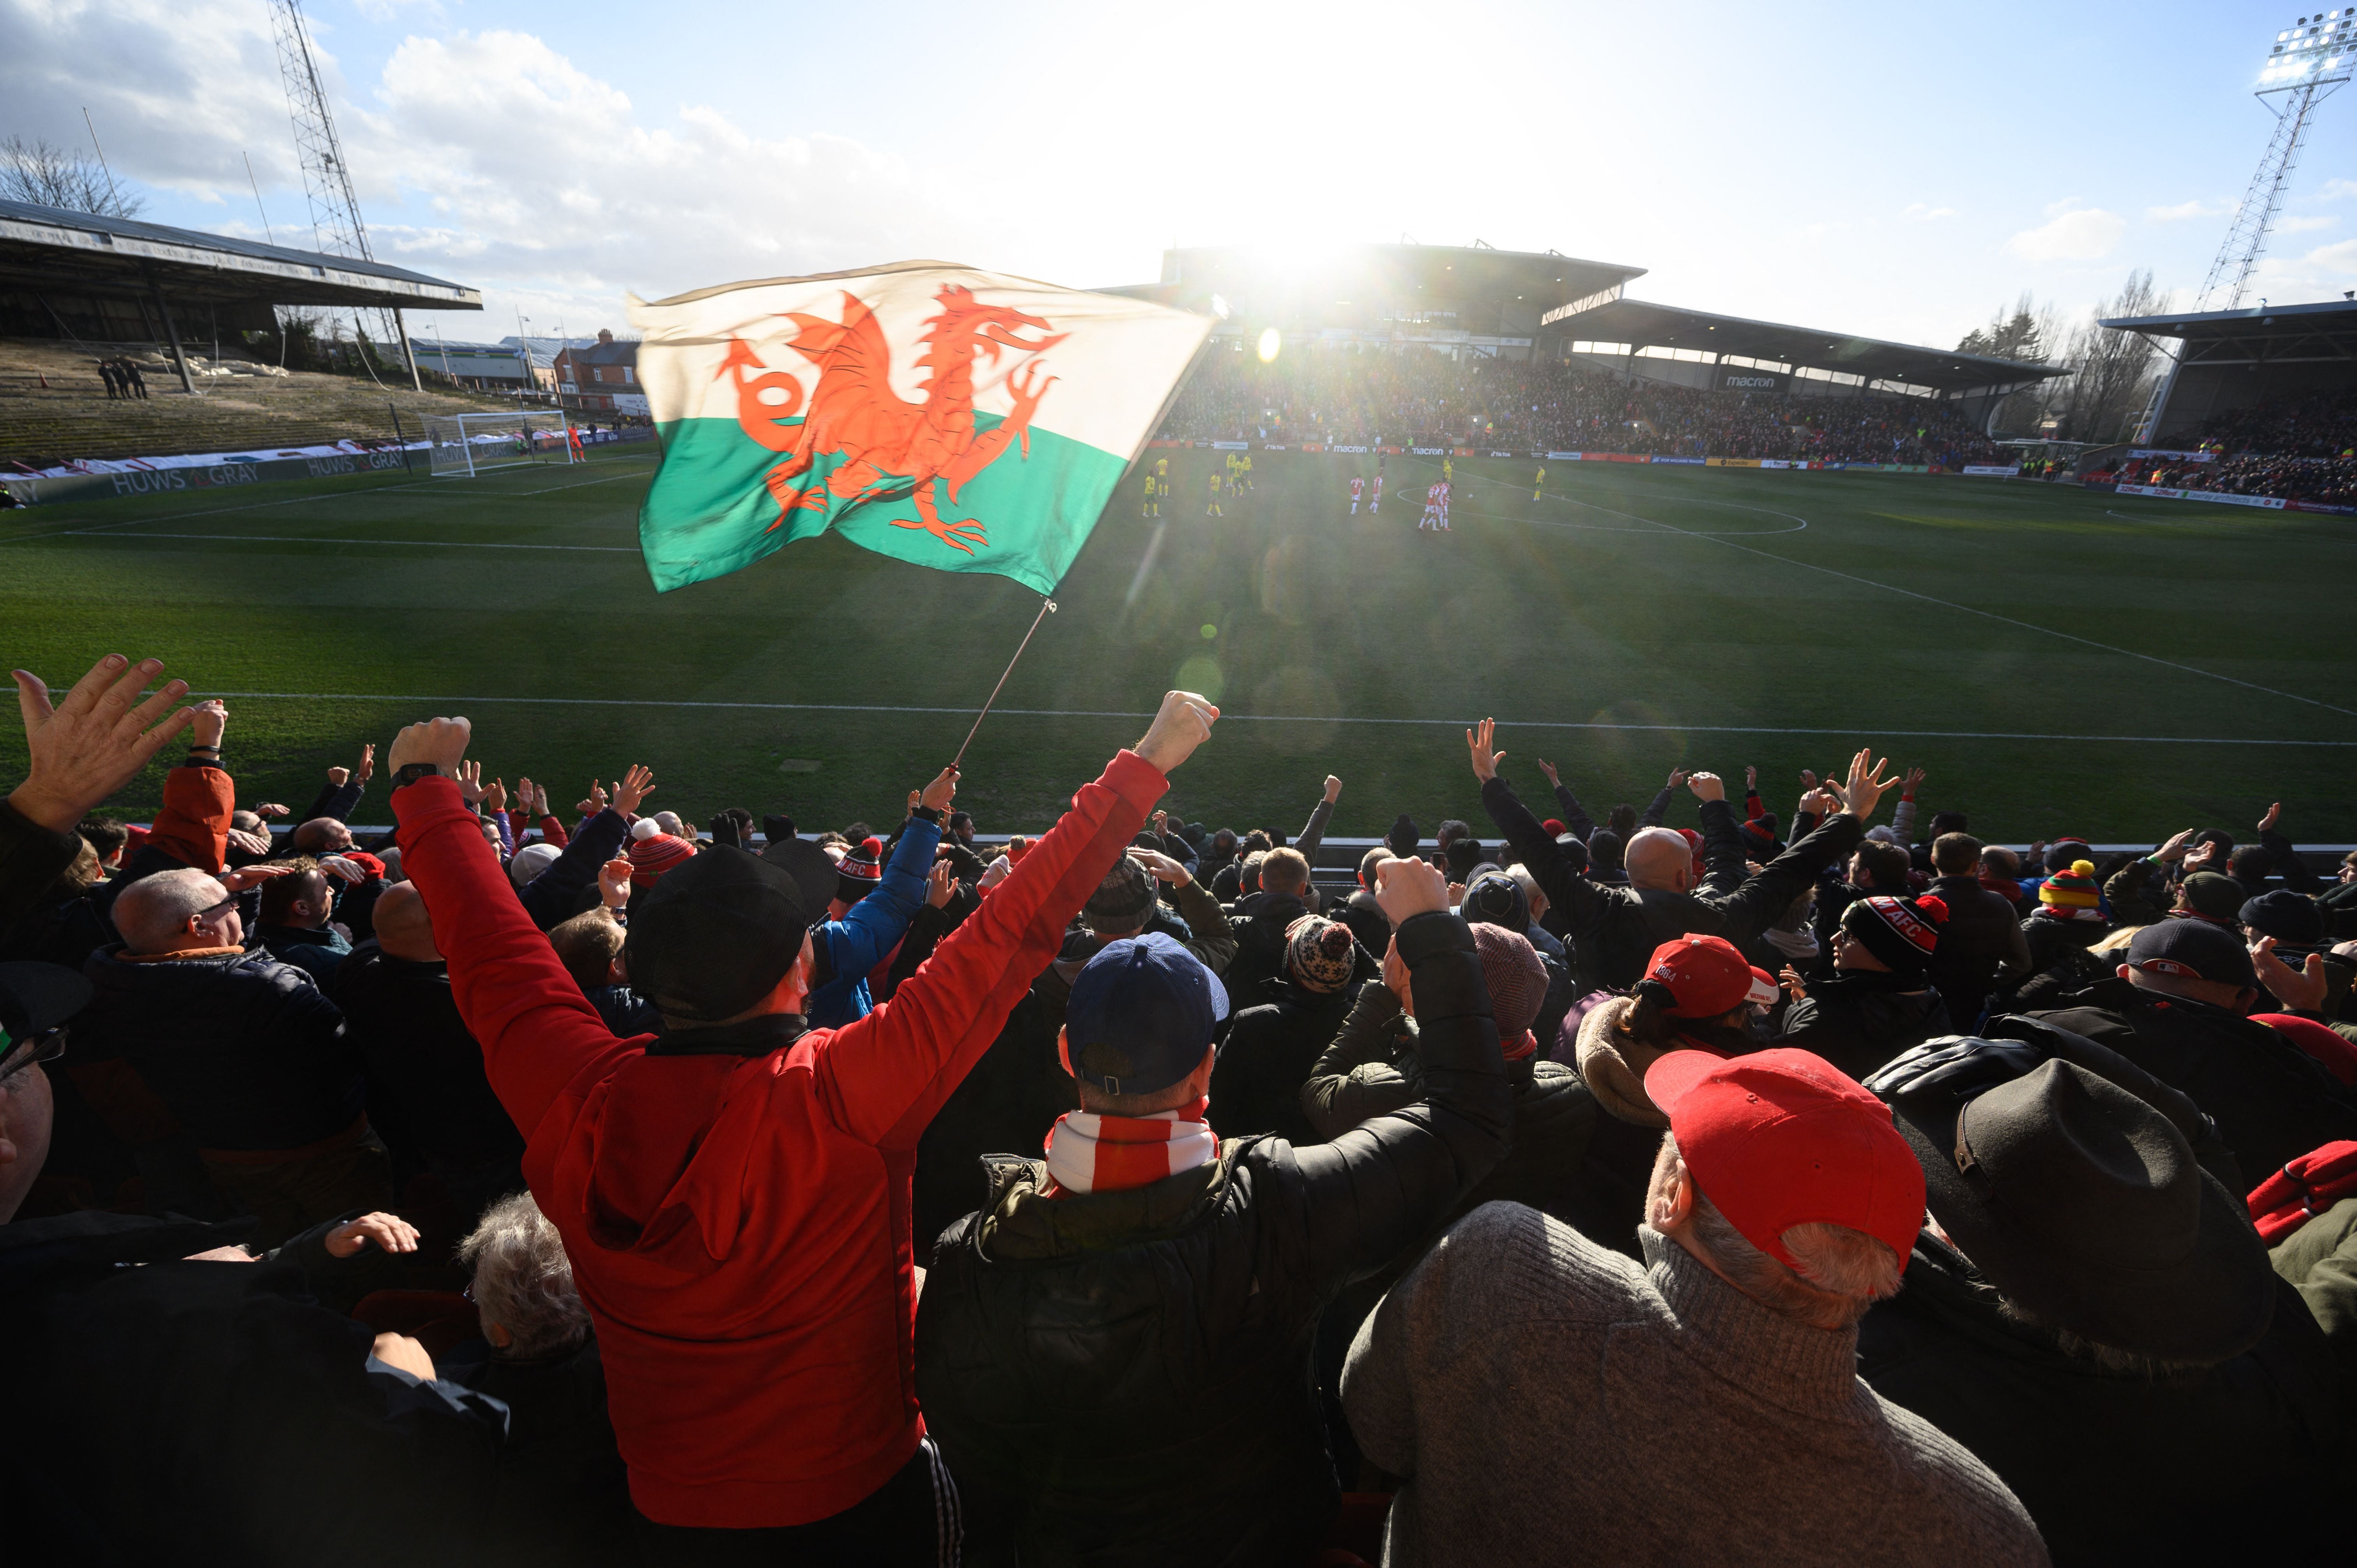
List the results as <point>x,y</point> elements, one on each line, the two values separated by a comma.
<point>1661,859</point>
<point>322,835</point>
<point>175,910</point>
<point>403,929</point>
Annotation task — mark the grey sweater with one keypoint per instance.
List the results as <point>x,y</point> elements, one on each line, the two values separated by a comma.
<point>1547,1400</point>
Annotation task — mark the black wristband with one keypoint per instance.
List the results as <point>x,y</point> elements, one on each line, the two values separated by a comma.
<point>926,814</point>
<point>409,773</point>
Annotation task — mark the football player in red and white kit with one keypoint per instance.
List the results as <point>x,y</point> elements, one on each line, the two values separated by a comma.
<point>1444,505</point>
<point>1431,517</point>
<point>1358,489</point>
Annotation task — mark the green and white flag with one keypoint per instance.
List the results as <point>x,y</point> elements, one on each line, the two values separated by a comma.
<point>954,418</point>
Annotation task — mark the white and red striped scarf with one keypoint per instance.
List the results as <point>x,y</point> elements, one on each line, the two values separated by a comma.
<point>1087,1153</point>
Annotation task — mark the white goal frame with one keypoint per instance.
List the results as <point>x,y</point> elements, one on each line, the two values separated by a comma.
<point>461,445</point>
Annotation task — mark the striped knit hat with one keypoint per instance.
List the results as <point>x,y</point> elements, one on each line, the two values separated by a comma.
<point>655,854</point>
<point>1903,933</point>
<point>2072,895</point>
<point>861,870</point>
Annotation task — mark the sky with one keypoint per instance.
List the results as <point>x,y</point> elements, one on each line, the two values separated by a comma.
<point>1898,172</point>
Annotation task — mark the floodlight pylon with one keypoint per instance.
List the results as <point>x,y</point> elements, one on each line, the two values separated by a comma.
<point>336,227</point>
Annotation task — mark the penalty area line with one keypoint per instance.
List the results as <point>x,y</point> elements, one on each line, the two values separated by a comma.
<point>1853,731</point>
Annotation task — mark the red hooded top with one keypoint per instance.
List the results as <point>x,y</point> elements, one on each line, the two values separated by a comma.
<point>738,1226</point>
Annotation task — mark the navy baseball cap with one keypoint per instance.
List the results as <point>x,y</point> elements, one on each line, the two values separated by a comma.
<point>1141,1015</point>
<point>2193,950</point>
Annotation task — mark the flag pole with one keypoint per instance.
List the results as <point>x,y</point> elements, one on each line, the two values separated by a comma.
<point>1046,609</point>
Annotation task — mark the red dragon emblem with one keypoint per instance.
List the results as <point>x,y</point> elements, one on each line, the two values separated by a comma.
<point>886,442</point>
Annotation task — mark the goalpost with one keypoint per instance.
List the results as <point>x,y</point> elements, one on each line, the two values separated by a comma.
<point>461,446</point>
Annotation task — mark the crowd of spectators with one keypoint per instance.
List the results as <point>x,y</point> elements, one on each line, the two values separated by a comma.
<point>1347,397</point>
<point>2301,448</point>
<point>529,1185</point>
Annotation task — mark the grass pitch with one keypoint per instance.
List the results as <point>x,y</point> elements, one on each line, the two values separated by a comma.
<point>2059,660</point>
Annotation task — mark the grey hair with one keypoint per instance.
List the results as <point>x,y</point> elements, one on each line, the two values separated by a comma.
<point>523,1280</point>
<point>1841,1273</point>
<point>1525,880</point>
<point>155,909</point>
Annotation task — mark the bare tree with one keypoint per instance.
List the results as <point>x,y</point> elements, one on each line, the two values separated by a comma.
<point>45,175</point>
<point>2113,371</point>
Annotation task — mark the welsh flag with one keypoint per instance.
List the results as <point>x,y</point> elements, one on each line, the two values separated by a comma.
<point>957,419</point>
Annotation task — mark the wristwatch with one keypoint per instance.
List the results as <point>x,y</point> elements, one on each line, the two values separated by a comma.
<point>409,773</point>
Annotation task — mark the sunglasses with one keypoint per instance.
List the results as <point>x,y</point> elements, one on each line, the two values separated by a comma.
<point>19,1052</point>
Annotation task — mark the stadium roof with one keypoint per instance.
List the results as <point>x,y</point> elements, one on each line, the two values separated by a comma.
<point>1641,325</point>
<point>1490,288</point>
<point>2262,334</point>
<point>49,247</point>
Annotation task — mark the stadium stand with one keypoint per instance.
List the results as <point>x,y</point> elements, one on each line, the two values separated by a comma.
<point>1419,397</point>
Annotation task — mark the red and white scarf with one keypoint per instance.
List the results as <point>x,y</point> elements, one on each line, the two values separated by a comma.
<point>1087,1153</point>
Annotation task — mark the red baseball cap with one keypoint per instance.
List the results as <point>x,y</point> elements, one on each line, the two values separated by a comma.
<point>1780,1138</point>
<point>1706,975</point>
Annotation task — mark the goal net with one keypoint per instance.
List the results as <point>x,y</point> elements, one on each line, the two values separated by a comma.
<point>461,446</point>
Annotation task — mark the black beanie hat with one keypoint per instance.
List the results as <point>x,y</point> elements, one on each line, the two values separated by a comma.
<point>1402,838</point>
<point>1902,932</point>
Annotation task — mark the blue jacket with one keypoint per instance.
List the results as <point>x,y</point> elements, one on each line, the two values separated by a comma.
<point>871,928</point>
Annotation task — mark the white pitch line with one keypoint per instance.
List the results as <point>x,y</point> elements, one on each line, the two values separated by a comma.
<point>295,539</point>
<point>1852,730</point>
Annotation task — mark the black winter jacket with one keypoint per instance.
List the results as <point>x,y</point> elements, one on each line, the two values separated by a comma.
<point>1262,1063</point>
<point>2230,1462</point>
<point>1857,1023</point>
<point>1616,929</point>
<point>1132,1369</point>
<point>242,1049</point>
<point>427,1091</point>
<point>1258,926</point>
<point>31,857</point>
<point>149,1399</point>
<point>2272,1102</point>
<point>1981,942</point>
<point>1372,1071</point>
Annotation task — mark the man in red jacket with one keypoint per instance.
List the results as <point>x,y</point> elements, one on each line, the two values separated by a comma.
<point>735,1194</point>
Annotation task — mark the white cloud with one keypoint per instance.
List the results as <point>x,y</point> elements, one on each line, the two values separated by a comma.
<point>2336,188</point>
<point>2320,273</point>
<point>1922,214</point>
<point>486,157</point>
<point>2070,234</point>
<point>2305,225</point>
<point>2197,207</point>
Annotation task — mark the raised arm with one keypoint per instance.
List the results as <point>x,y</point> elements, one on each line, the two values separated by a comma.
<point>1349,1205</point>
<point>1575,815</point>
<point>552,895</point>
<point>82,750</point>
<point>1565,888</point>
<point>538,1032</point>
<point>1314,834</point>
<point>1751,908</point>
<point>2295,872</point>
<point>890,1071</point>
<point>1660,806</point>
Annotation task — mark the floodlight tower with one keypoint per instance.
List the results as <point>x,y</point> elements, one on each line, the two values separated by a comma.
<point>336,225</point>
<point>2309,63</point>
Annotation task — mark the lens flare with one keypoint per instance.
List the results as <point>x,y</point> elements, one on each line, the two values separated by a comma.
<point>1271,340</point>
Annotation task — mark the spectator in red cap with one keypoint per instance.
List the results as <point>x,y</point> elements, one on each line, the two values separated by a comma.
<point>1880,1000</point>
<point>1706,1406</point>
<point>1697,994</point>
<point>653,852</point>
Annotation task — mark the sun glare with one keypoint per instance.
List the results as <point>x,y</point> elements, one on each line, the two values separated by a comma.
<point>1271,340</point>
